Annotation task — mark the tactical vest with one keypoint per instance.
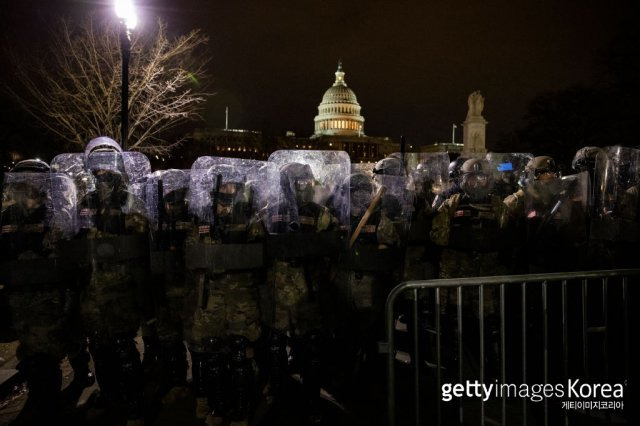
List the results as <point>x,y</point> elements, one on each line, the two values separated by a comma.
<point>224,249</point>
<point>365,255</point>
<point>168,250</point>
<point>27,235</point>
<point>109,220</point>
<point>306,241</point>
<point>476,227</point>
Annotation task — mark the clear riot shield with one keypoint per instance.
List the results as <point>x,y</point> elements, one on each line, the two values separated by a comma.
<point>398,198</point>
<point>38,214</point>
<point>328,169</point>
<point>509,169</point>
<point>305,184</point>
<point>428,173</point>
<point>556,216</point>
<point>364,168</point>
<point>162,186</point>
<point>616,195</point>
<point>134,165</point>
<point>226,197</point>
<point>477,223</point>
<point>166,206</point>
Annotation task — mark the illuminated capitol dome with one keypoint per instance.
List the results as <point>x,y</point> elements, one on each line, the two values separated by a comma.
<point>339,111</point>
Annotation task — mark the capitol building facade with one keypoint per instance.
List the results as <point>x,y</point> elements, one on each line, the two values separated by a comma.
<point>339,125</point>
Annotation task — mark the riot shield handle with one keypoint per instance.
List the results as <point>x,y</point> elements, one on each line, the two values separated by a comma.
<point>366,215</point>
<point>214,205</point>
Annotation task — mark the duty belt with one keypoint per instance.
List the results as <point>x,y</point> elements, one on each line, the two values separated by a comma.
<point>302,244</point>
<point>369,259</point>
<point>162,261</point>
<point>33,271</point>
<point>110,249</point>
<point>224,257</point>
<point>478,239</point>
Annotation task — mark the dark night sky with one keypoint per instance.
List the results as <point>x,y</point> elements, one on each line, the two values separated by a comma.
<point>411,64</point>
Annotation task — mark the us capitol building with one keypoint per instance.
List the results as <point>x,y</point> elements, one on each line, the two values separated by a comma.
<point>339,125</point>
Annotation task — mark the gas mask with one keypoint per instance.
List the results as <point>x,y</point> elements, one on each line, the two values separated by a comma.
<point>107,183</point>
<point>360,201</point>
<point>304,190</point>
<point>475,186</point>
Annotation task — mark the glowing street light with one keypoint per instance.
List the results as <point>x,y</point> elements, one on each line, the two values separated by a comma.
<point>128,20</point>
<point>126,13</point>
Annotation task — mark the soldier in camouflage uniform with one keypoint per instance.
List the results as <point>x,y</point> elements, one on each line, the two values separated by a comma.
<point>166,200</point>
<point>38,213</point>
<point>224,255</point>
<point>470,228</point>
<point>365,270</point>
<point>114,239</point>
<point>302,234</point>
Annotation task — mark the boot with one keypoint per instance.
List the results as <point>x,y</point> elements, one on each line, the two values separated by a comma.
<point>242,379</point>
<point>277,364</point>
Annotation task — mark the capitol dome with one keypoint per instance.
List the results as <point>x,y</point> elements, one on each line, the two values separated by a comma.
<point>339,111</point>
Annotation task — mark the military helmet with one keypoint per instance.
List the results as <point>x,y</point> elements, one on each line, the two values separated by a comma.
<point>475,166</point>
<point>390,166</point>
<point>297,171</point>
<point>454,167</point>
<point>359,182</point>
<point>102,143</point>
<point>33,165</point>
<point>541,164</point>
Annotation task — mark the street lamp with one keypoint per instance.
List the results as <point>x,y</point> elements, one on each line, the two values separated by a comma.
<point>128,20</point>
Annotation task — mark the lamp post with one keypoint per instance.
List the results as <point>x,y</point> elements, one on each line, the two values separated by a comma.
<point>128,20</point>
<point>453,133</point>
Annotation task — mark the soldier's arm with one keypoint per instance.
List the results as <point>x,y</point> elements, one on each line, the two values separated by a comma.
<point>440,226</point>
<point>386,233</point>
<point>326,220</point>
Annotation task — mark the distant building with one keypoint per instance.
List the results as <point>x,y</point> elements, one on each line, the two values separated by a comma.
<point>338,126</point>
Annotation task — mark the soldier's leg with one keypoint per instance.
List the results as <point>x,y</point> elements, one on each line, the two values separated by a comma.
<point>242,379</point>
<point>277,363</point>
<point>204,329</point>
<point>312,369</point>
<point>244,328</point>
<point>83,377</point>
<point>174,366</point>
<point>130,384</point>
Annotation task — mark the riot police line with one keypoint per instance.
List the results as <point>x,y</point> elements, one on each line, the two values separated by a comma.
<point>261,269</point>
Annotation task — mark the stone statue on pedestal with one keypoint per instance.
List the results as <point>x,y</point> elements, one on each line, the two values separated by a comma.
<point>474,125</point>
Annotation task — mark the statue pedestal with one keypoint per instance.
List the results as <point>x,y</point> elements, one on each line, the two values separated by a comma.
<point>473,135</point>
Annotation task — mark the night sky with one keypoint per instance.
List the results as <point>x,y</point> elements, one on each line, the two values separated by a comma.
<point>412,64</point>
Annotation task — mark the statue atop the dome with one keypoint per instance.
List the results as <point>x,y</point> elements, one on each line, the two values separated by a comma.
<point>476,104</point>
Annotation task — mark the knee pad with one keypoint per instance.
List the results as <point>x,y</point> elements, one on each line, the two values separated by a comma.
<point>130,380</point>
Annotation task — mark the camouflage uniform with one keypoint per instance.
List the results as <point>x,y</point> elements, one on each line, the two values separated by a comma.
<point>459,263</point>
<point>222,318</point>
<point>365,275</point>
<point>38,295</point>
<point>165,355</point>
<point>113,247</point>
<point>304,236</point>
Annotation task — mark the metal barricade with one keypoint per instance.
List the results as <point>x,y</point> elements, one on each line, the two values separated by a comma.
<point>545,327</point>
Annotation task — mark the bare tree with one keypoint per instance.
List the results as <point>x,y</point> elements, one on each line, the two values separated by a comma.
<point>74,89</point>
